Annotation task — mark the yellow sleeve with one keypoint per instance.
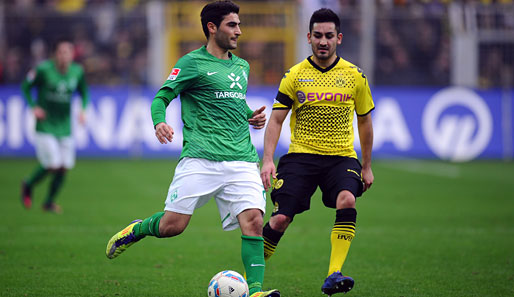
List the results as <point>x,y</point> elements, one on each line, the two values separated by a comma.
<point>364,102</point>
<point>285,96</point>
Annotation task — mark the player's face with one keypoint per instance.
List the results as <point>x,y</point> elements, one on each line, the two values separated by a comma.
<point>228,32</point>
<point>324,40</point>
<point>64,54</point>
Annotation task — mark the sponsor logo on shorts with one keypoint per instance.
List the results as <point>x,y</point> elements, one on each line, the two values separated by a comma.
<point>277,184</point>
<point>275,209</point>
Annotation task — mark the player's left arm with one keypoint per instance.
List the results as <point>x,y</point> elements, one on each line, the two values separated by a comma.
<point>84,95</point>
<point>363,106</point>
<point>365,126</point>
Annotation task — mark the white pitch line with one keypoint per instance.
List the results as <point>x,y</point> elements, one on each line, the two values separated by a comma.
<point>424,167</point>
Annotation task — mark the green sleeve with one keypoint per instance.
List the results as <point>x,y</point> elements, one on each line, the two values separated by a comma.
<point>26,86</point>
<point>159,104</point>
<point>83,90</point>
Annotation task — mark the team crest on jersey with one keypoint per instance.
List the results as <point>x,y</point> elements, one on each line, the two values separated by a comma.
<point>301,96</point>
<point>174,73</point>
<point>340,82</point>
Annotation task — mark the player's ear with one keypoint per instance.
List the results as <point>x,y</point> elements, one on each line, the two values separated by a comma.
<point>309,37</point>
<point>339,38</point>
<point>212,28</point>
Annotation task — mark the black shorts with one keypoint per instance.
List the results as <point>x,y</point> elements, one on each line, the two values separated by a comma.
<point>298,176</point>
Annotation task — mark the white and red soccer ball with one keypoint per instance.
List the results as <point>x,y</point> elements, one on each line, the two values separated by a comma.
<point>228,283</point>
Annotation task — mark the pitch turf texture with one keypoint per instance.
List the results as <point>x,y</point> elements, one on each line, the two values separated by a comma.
<point>425,228</point>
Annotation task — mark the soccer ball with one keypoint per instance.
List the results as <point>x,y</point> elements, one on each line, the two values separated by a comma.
<point>227,283</point>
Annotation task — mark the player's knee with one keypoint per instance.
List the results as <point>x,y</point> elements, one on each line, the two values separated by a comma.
<point>251,222</point>
<point>345,199</point>
<point>279,222</point>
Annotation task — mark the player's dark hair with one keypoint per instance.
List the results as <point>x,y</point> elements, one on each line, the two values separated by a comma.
<point>215,12</point>
<point>59,40</point>
<point>325,15</point>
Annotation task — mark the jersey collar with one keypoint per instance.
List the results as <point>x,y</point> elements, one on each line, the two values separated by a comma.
<point>323,70</point>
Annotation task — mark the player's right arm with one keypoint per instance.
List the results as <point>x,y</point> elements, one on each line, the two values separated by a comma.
<point>31,80</point>
<point>182,76</point>
<point>271,137</point>
<point>281,107</point>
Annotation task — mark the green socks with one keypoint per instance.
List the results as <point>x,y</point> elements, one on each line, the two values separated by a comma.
<point>149,226</point>
<point>36,176</point>
<point>55,186</point>
<point>252,252</point>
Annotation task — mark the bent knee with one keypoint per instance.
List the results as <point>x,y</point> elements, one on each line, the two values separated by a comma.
<point>345,199</point>
<point>279,222</point>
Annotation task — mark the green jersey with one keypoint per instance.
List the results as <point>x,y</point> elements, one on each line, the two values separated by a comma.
<point>213,106</point>
<point>54,92</point>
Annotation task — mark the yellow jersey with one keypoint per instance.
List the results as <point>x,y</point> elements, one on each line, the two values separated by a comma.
<point>323,101</point>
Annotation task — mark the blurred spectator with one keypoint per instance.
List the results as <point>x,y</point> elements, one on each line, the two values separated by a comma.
<point>110,37</point>
<point>412,47</point>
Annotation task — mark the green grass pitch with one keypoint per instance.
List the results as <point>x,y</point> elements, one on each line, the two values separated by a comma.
<point>426,228</point>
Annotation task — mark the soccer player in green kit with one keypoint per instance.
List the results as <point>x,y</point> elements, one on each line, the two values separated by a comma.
<point>218,159</point>
<point>55,80</point>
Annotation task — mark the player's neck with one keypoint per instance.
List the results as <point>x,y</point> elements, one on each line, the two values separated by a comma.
<point>324,63</point>
<point>218,52</point>
<point>63,67</point>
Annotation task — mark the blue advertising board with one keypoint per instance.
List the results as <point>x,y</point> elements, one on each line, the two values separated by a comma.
<point>453,123</point>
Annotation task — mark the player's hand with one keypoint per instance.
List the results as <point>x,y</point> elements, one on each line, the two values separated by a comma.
<point>82,117</point>
<point>164,133</point>
<point>258,119</point>
<point>39,113</point>
<point>367,178</point>
<point>268,168</point>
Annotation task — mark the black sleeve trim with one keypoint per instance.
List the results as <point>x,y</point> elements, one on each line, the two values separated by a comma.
<point>363,115</point>
<point>284,99</point>
<point>282,108</point>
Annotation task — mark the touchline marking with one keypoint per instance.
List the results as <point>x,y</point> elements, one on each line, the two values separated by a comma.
<point>425,167</point>
<point>211,73</point>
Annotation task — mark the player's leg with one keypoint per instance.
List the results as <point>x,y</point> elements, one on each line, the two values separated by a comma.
<point>56,183</point>
<point>27,184</point>
<point>46,147</point>
<point>341,238</point>
<point>161,224</point>
<point>343,182</point>
<point>296,182</point>
<point>252,252</point>
<point>272,233</point>
<point>242,203</point>
<point>64,159</point>
<point>182,199</point>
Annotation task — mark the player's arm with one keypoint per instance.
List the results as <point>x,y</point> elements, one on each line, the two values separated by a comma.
<point>28,83</point>
<point>271,137</point>
<point>182,77</point>
<point>363,107</point>
<point>163,131</point>
<point>365,126</point>
<point>84,95</point>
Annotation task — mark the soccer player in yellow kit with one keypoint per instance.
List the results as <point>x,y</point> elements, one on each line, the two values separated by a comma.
<point>323,92</point>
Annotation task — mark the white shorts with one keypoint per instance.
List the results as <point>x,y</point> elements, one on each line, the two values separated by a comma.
<point>235,185</point>
<point>53,152</point>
